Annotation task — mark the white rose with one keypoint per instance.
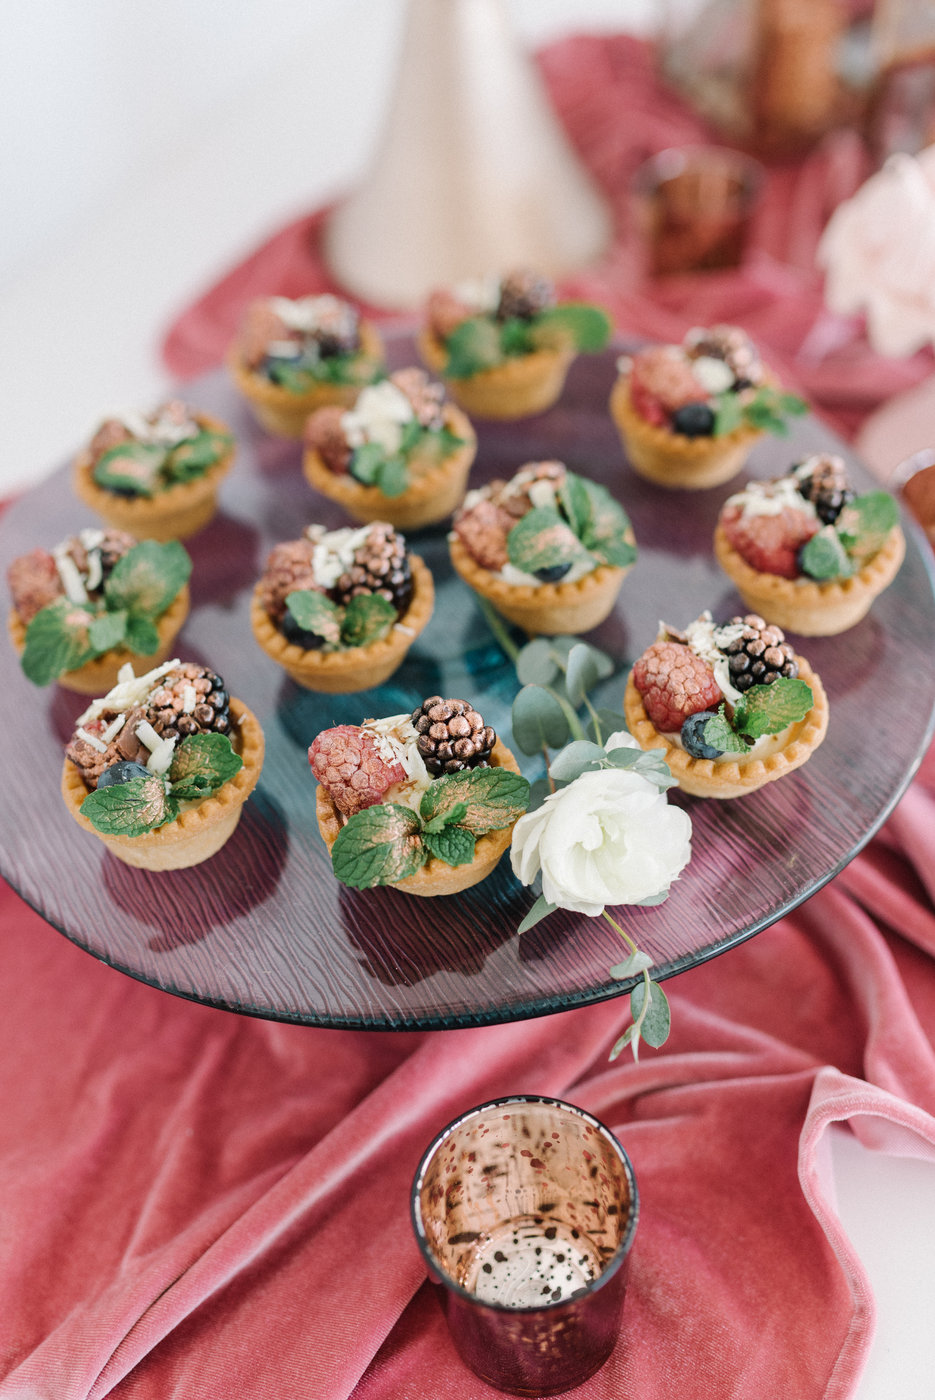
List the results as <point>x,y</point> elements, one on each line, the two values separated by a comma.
<point>878,253</point>
<point>610,837</point>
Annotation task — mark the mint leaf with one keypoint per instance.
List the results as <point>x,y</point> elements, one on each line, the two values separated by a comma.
<point>720,735</point>
<point>575,502</point>
<point>314,612</point>
<point>192,458</point>
<point>392,476</point>
<point>516,336</point>
<point>147,578</point>
<point>57,640</point>
<point>538,720</point>
<point>728,413</point>
<point>453,844</point>
<point>130,809</point>
<point>492,798</point>
<point>366,462</point>
<point>604,523</point>
<point>573,324</point>
<point>367,618</point>
<point>202,764</point>
<point>142,635</point>
<point>541,539</point>
<point>824,556</point>
<point>769,409</point>
<point>447,818</point>
<point>380,845</point>
<point>472,346</point>
<point>107,631</point>
<point>768,709</point>
<point>131,466</point>
<point>866,522</point>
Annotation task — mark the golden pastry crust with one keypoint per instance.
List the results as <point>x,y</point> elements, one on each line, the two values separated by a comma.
<point>519,387</point>
<point>198,832</point>
<point>547,608</point>
<point>282,412</point>
<point>435,877</point>
<point>99,675</point>
<point>357,668</point>
<point>173,514</point>
<point>729,777</point>
<point>671,459</point>
<point>435,490</point>
<point>804,605</point>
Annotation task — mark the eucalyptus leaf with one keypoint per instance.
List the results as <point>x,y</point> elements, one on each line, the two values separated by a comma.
<point>379,845</point>
<point>538,792</point>
<point>603,724</point>
<point>656,1023</point>
<point>538,720</point>
<point>580,756</point>
<point>636,963</point>
<point>621,1044</point>
<point>539,910</point>
<point>586,666</point>
<point>536,663</point>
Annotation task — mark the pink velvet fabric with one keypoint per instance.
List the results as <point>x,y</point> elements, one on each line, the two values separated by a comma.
<point>195,1204</point>
<point>617,113</point>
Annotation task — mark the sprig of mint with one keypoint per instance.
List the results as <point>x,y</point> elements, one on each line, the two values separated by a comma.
<point>302,373</point>
<point>768,410</point>
<point>763,709</point>
<point>383,844</point>
<point>481,342</point>
<point>200,767</point>
<point>144,468</point>
<point>585,522</point>
<point>372,465</point>
<point>142,584</point>
<point>839,550</point>
<point>365,619</point>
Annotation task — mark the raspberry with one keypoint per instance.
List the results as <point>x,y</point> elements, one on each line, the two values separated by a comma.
<point>769,543</point>
<point>325,435</point>
<point>674,684</point>
<point>483,530</point>
<point>444,313</point>
<point>347,762</point>
<point>664,373</point>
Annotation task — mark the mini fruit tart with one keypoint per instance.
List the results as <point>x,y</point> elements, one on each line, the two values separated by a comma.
<point>548,549</point>
<point>423,802</point>
<point>292,357</point>
<point>807,552</point>
<point>688,415</point>
<point>155,475</point>
<point>730,707</point>
<point>339,609</point>
<point>160,767</point>
<point>504,347</point>
<point>401,454</point>
<point>98,600</point>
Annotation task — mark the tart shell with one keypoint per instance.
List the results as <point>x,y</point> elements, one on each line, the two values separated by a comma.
<point>99,675</point>
<point>434,492</point>
<point>806,606</point>
<point>196,833</point>
<point>547,608</point>
<point>173,514</point>
<point>703,777</point>
<point>519,387</point>
<point>357,668</point>
<point>282,412</point>
<point>672,459</point>
<point>436,877</point>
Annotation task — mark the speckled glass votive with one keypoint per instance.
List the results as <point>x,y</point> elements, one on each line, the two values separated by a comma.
<point>525,1210</point>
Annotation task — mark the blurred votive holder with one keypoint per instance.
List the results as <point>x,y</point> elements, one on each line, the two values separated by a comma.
<point>914,481</point>
<point>693,208</point>
<point>525,1210</point>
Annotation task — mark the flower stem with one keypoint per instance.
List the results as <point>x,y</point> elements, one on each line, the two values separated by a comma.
<point>623,933</point>
<point>499,629</point>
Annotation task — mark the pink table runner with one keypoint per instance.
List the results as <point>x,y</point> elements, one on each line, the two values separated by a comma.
<point>197,1204</point>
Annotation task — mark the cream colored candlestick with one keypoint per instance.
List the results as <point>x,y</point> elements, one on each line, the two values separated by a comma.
<point>473,175</point>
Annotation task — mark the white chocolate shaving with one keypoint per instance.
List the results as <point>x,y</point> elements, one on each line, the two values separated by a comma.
<point>189,698</point>
<point>91,739</point>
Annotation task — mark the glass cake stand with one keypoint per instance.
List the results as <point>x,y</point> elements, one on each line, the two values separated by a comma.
<point>263,928</point>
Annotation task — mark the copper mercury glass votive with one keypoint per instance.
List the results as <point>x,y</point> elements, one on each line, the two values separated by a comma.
<point>525,1210</point>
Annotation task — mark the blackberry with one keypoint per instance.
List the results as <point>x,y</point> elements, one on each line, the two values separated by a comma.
<point>300,636</point>
<point>452,736</point>
<point>822,479</point>
<point>694,420</point>
<point>732,345</point>
<point>166,706</point>
<point>692,736</point>
<point>337,331</point>
<point>760,655</point>
<point>523,293</point>
<point>381,565</point>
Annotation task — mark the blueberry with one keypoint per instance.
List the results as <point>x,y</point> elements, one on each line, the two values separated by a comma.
<point>694,420</point>
<point>299,636</point>
<point>122,772</point>
<point>693,739</point>
<point>552,573</point>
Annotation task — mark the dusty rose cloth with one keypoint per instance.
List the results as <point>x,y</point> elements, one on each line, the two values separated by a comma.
<point>198,1204</point>
<point>617,113</point>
